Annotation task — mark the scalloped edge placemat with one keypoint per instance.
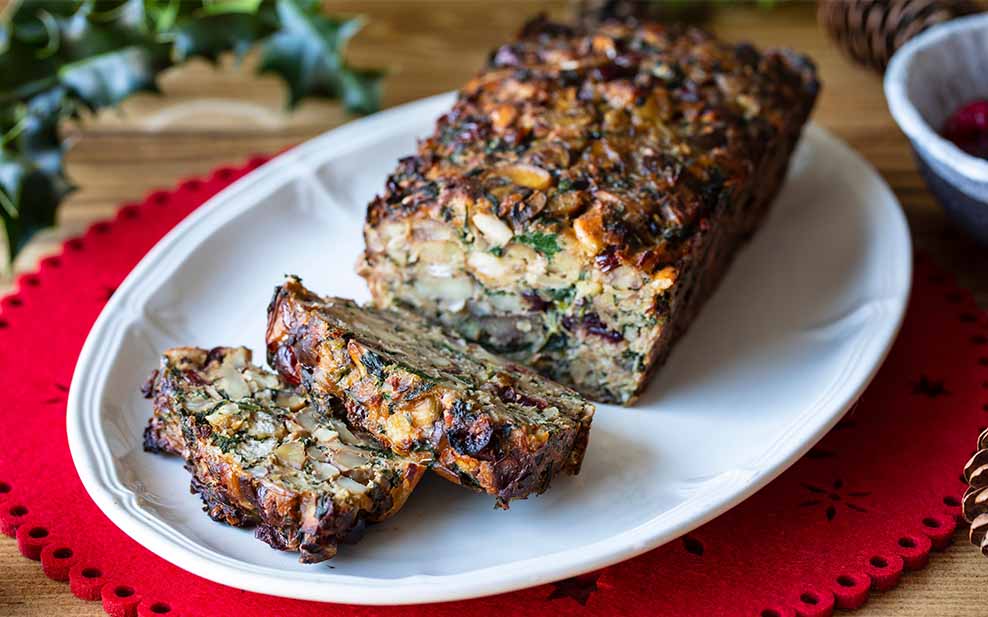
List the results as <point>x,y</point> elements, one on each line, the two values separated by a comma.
<point>869,501</point>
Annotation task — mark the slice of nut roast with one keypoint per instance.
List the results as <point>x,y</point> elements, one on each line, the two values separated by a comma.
<point>477,419</point>
<point>261,456</point>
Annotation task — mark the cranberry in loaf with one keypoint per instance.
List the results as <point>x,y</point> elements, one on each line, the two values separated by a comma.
<point>476,419</point>
<point>261,456</point>
<point>586,193</point>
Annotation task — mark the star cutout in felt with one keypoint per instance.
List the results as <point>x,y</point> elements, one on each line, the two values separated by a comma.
<point>849,420</point>
<point>692,545</point>
<point>930,387</point>
<point>61,390</point>
<point>831,497</point>
<point>578,588</point>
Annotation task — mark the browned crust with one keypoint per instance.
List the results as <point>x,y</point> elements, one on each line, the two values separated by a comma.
<point>716,245</point>
<point>308,522</point>
<point>707,120</point>
<point>466,447</point>
<point>657,149</point>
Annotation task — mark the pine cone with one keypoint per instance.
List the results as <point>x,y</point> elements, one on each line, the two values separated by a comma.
<point>975,502</point>
<point>870,31</point>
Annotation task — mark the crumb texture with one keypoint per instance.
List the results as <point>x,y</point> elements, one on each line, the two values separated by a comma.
<point>477,419</point>
<point>585,194</point>
<point>262,456</point>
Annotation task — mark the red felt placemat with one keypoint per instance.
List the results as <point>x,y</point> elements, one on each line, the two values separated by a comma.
<point>869,500</point>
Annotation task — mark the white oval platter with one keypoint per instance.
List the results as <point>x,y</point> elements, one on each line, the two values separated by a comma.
<point>796,331</point>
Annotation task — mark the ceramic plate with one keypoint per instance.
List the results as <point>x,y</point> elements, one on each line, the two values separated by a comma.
<point>791,338</point>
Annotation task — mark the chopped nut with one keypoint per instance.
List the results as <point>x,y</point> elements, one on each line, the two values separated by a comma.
<point>749,104</point>
<point>348,458</point>
<point>307,419</point>
<point>528,176</point>
<point>351,485</point>
<point>325,435</point>
<point>264,380</point>
<point>604,45</point>
<point>441,258</point>
<point>195,404</point>
<point>223,416</point>
<point>493,229</point>
<point>398,427</point>
<point>292,453</point>
<point>666,278</point>
<point>423,411</point>
<point>489,267</point>
<point>626,278</point>
<point>232,382</point>
<point>289,400</point>
<point>452,292</point>
<point>502,116</point>
<point>568,203</point>
<point>324,471</point>
<point>589,231</point>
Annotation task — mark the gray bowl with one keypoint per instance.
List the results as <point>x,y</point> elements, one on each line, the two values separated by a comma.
<point>927,80</point>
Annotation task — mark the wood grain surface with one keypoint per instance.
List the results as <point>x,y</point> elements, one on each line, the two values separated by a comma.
<point>209,116</point>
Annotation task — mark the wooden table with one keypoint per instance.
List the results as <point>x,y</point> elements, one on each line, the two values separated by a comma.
<point>214,116</point>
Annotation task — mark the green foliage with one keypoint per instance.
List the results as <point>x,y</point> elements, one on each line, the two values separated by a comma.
<point>308,52</point>
<point>547,244</point>
<point>563,295</point>
<point>60,58</point>
<point>227,442</point>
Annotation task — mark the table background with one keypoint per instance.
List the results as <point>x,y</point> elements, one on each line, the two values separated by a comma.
<point>211,116</point>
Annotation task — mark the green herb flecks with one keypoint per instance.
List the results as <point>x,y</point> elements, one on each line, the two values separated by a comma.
<point>373,363</point>
<point>557,341</point>
<point>226,443</point>
<point>249,406</point>
<point>633,361</point>
<point>420,389</point>
<point>563,295</point>
<point>414,371</point>
<point>547,244</point>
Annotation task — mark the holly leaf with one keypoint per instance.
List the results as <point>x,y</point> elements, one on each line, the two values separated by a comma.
<point>209,37</point>
<point>307,52</point>
<point>38,138</point>
<point>59,42</point>
<point>32,178</point>
<point>108,79</point>
<point>28,198</point>
<point>58,57</point>
<point>214,7</point>
<point>362,89</point>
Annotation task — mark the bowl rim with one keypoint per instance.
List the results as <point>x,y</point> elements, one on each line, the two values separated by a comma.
<point>908,117</point>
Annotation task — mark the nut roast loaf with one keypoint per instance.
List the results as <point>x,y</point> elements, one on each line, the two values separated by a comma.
<point>586,193</point>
